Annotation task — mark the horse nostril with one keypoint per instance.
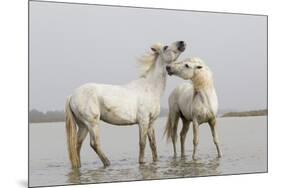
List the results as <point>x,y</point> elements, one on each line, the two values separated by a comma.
<point>168,68</point>
<point>181,42</point>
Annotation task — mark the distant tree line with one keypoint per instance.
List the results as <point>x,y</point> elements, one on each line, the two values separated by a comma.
<point>246,113</point>
<point>36,116</point>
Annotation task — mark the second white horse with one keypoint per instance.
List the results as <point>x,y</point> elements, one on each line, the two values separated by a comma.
<point>194,102</point>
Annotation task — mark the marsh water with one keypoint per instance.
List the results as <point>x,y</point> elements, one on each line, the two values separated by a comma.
<point>243,142</point>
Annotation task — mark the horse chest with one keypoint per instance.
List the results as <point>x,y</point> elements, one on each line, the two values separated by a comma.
<point>202,113</point>
<point>195,109</point>
<point>149,108</point>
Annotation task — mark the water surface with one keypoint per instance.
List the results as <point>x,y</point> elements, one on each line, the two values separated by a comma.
<point>243,142</point>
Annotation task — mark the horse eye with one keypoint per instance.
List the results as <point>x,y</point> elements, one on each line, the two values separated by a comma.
<point>165,48</point>
<point>186,65</point>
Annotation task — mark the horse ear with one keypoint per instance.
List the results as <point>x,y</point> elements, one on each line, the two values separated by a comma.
<point>156,47</point>
<point>153,49</point>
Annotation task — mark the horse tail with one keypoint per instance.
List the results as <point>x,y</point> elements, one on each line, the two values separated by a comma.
<point>71,132</point>
<point>169,130</point>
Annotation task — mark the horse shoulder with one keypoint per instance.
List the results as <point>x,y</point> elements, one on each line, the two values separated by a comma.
<point>186,100</point>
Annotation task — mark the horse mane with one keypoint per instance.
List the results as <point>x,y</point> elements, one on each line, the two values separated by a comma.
<point>147,61</point>
<point>203,78</point>
<point>197,60</point>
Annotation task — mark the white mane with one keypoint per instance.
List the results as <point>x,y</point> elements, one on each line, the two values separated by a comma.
<point>147,61</point>
<point>204,78</point>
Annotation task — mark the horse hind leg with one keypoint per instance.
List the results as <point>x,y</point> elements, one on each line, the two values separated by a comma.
<point>185,128</point>
<point>90,117</point>
<point>95,143</point>
<point>81,135</point>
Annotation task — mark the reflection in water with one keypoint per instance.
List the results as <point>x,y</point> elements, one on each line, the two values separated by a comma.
<point>125,170</point>
<point>201,168</point>
<point>148,171</point>
<point>181,167</point>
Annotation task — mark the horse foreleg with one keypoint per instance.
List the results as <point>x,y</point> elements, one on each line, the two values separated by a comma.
<point>184,130</point>
<point>213,127</point>
<point>152,142</point>
<point>195,138</point>
<point>143,128</point>
<point>95,144</point>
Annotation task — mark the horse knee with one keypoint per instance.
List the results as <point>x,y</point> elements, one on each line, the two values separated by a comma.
<point>216,142</point>
<point>174,136</point>
<point>195,142</point>
<point>182,139</point>
<point>142,145</point>
<point>182,135</point>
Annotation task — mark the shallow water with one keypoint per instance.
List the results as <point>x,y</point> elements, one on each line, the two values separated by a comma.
<point>243,143</point>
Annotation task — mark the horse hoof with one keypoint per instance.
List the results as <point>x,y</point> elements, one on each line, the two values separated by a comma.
<point>76,167</point>
<point>154,161</point>
<point>106,164</point>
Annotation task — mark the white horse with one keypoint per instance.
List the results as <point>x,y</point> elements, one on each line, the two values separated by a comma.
<point>137,102</point>
<point>194,102</point>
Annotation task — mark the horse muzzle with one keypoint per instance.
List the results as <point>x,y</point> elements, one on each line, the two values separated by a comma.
<point>181,46</point>
<point>169,71</point>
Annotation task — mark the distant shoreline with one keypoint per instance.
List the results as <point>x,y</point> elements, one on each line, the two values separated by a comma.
<point>246,113</point>
<point>58,116</point>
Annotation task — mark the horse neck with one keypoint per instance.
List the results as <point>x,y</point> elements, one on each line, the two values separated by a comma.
<point>203,82</point>
<point>156,78</point>
<point>204,89</point>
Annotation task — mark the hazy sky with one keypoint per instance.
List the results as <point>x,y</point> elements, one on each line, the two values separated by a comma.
<point>72,44</point>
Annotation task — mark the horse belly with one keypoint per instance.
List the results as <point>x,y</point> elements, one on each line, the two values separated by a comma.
<point>118,111</point>
<point>186,112</point>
